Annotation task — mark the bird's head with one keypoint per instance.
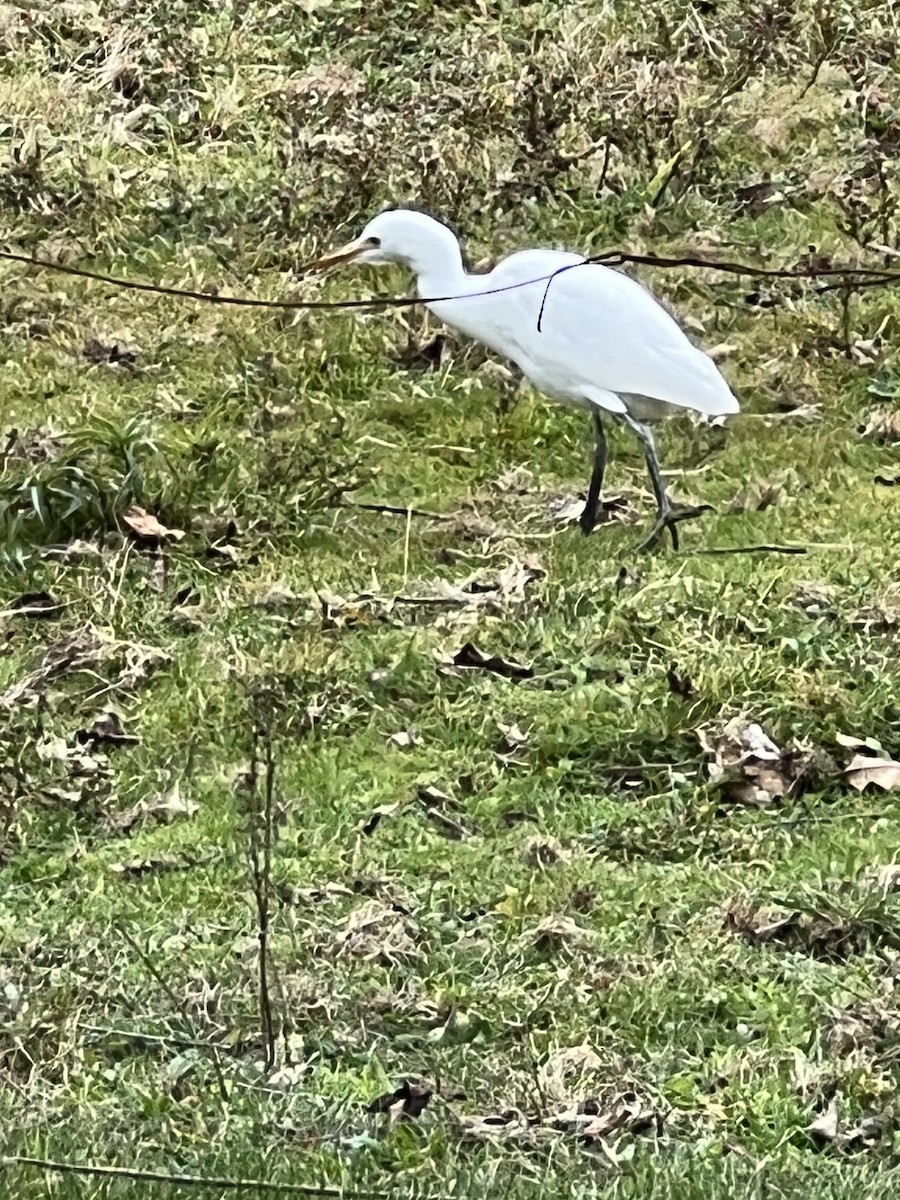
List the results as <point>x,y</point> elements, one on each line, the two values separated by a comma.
<point>400,235</point>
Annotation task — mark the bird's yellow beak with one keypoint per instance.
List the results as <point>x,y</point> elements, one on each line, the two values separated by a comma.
<point>338,258</point>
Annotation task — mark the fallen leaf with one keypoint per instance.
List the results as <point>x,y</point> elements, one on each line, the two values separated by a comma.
<point>572,1074</point>
<point>771,131</point>
<point>567,510</point>
<point>511,1123</point>
<point>405,1102</point>
<point>544,852</point>
<point>164,808</point>
<point>851,742</point>
<point>511,742</point>
<point>758,496</point>
<point>149,528</point>
<point>421,355</point>
<point>106,731</point>
<point>376,932</point>
<point>558,932</point>
<point>864,770</point>
<point>680,685</point>
<point>433,803</point>
<point>162,864</point>
<point>814,597</point>
<point>807,413</point>
<point>883,425</point>
<point>79,763</point>
<point>469,657</point>
<point>824,1128</point>
<point>887,878</point>
<point>114,354</point>
<point>749,768</point>
<point>376,816</point>
<point>722,351</point>
<point>405,738</point>
<point>34,604</point>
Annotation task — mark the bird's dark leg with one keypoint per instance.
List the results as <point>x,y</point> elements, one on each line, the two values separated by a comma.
<point>667,517</point>
<point>592,506</point>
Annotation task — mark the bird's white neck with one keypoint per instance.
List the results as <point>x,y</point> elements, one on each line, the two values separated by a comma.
<point>439,272</point>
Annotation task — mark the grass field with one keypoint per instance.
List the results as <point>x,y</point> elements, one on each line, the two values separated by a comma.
<point>539,926</point>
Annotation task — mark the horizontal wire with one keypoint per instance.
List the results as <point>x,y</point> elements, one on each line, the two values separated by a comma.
<point>850,277</point>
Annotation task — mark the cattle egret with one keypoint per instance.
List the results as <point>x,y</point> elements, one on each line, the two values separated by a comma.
<point>582,333</point>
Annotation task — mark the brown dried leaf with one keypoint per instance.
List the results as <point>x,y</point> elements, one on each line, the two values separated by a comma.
<point>824,1128</point>
<point>405,738</point>
<point>107,730</point>
<point>544,852</point>
<point>558,932</point>
<point>512,741</point>
<point>405,1102</point>
<point>864,770</point>
<point>469,657</point>
<point>165,808</point>
<point>378,933</point>
<point>376,816</point>
<point>34,604</point>
<point>572,1074</point>
<point>765,493</point>
<point>148,528</point>
<point>751,769</point>
<point>883,425</point>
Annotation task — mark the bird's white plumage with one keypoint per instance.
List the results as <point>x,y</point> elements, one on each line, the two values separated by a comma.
<point>604,340</point>
<point>582,333</point>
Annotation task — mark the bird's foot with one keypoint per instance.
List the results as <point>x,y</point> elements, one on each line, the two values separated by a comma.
<point>670,518</point>
<point>590,515</point>
<point>593,515</point>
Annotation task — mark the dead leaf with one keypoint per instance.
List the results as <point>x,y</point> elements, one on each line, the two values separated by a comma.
<point>421,355</point>
<point>509,1124</point>
<point>823,1130</point>
<point>161,864</point>
<point>814,597</point>
<point>433,803</point>
<point>772,131</point>
<point>34,604</point>
<point>511,743</point>
<point>106,731</point>
<point>405,1102</point>
<point>405,738</point>
<point>148,528</point>
<point>749,768</point>
<point>555,933</point>
<point>113,354</point>
<point>164,808</point>
<point>883,425</point>
<point>806,413</point>
<point>377,933</point>
<point>79,763</point>
<point>376,816</point>
<point>722,351</point>
<point>887,878</point>
<point>858,744</point>
<point>469,657</point>
<point>544,852</point>
<point>680,685</point>
<point>758,496</point>
<point>567,510</point>
<point>864,770</point>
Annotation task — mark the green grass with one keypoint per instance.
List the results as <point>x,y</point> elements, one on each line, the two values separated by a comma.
<point>581,881</point>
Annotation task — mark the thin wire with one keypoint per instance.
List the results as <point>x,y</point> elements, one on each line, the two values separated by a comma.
<point>135,285</point>
<point>855,277</point>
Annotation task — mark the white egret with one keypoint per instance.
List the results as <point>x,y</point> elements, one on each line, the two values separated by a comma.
<point>588,336</point>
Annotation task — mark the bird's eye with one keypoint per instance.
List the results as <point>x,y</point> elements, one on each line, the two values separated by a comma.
<point>373,242</point>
